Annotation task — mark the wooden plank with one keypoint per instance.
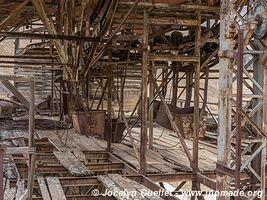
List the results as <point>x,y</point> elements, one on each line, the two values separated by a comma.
<point>126,185</point>
<point>9,192</point>
<point>19,150</point>
<point>127,154</point>
<point>57,142</point>
<point>24,195</point>
<point>55,188</point>
<point>43,188</point>
<point>112,186</point>
<point>90,143</point>
<point>72,163</point>
<point>20,189</point>
<point>131,185</point>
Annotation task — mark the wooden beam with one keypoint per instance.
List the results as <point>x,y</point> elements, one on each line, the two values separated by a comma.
<point>18,150</point>
<point>17,94</point>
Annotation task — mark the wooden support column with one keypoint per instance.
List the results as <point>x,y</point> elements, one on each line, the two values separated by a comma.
<point>143,136</point>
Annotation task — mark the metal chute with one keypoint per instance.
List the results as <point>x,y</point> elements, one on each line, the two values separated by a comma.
<point>260,14</point>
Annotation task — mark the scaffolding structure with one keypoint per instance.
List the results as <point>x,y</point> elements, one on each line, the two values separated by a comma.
<point>92,50</point>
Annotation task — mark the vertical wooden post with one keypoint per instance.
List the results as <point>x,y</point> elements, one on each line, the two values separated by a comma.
<point>143,136</point>
<point>31,141</point>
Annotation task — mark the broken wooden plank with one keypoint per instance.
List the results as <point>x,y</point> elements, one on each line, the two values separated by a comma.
<point>72,163</point>
<point>10,192</point>
<point>55,188</point>
<point>110,185</point>
<point>43,188</point>
<point>123,182</point>
<point>20,189</point>
<point>24,195</point>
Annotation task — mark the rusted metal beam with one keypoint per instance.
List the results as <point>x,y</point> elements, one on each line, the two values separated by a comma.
<point>96,167</point>
<point>239,134</point>
<point>206,181</point>
<point>109,103</point>
<point>1,173</point>
<point>40,7</point>
<point>170,57</point>
<point>32,156</point>
<point>144,82</point>
<point>154,187</point>
<point>173,124</point>
<point>193,7</point>
<point>17,94</point>
<point>225,96</point>
<point>111,36</point>
<point>13,17</point>
<point>48,36</point>
<point>196,117</point>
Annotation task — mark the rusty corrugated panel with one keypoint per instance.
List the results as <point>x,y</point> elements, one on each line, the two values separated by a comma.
<point>184,120</point>
<point>92,124</point>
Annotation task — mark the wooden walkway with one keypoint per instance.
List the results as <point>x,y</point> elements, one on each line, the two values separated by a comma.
<point>66,161</point>
<point>166,157</point>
